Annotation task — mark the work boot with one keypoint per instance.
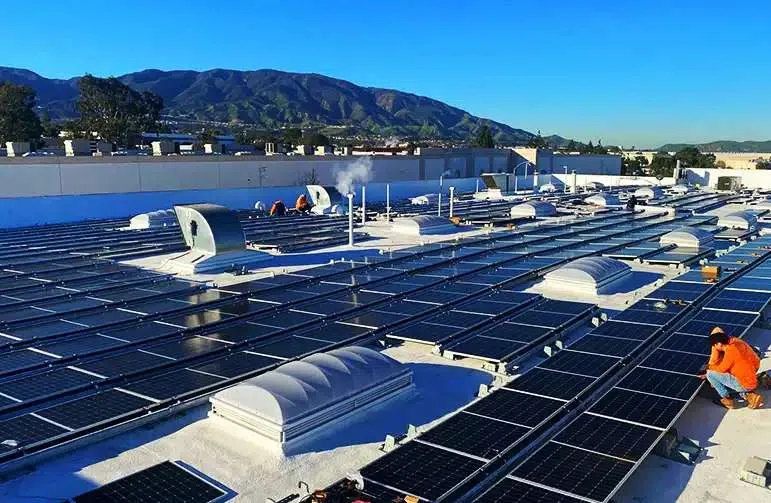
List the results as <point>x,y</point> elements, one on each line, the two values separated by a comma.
<point>754,400</point>
<point>728,403</point>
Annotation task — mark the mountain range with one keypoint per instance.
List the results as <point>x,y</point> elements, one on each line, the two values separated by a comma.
<point>721,146</point>
<point>272,99</point>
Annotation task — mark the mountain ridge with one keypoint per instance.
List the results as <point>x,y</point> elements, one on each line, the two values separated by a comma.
<point>721,146</point>
<point>271,99</point>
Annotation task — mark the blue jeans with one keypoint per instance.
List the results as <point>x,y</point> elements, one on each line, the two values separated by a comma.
<point>724,384</point>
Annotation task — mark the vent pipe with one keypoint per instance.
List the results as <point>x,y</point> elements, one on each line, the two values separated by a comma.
<point>350,219</point>
<point>574,181</point>
<point>452,199</point>
<point>363,205</point>
<point>388,202</point>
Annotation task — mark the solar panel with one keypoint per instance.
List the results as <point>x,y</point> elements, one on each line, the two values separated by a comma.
<point>751,284</point>
<point>514,407</point>
<point>703,328</point>
<point>486,347</point>
<point>405,307</point>
<point>424,332</point>
<point>659,382</point>
<point>688,343</point>
<point>457,319</point>
<point>641,408</point>
<point>579,363</point>
<point>94,409</point>
<point>165,482</point>
<point>734,304</point>
<point>46,383</point>
<point>675,361</point>
<point>20,359</point>
<point>608,436</point>
<point>421,470</point>
<point>25,430</point>
<point>625,330</point>
<point>172,384</point>
<point>485,307</point>
<point>475,435</point>
<point>238,364</point>
<point>656,306</point>
<point>646,317</point>
<point>290,347</point>
<point>551,384</point>
<point>187,347</point>
<point>542,319</point>
<point>514,491</point>
<point>564,307</point>
<point>517,332</point>
<point>725,317</point>
<point>374,319</point>
<point>601,345</point>
<point>287,319</point>
<point>576,471</point>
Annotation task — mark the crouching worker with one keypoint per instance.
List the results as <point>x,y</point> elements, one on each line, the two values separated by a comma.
<point>302,205</point>
<point>733,367</point>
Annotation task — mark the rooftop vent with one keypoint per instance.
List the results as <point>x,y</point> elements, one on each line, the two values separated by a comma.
<point>424,199</point>
<point>648,193</point>
<point>603,200</point>
<point>291,404</point>
<point>687,237</point>
<point>547,187</point>
<point>738,220</point>
<point>423,225</point>
<point>533,209</point>
<point>153,219</point>
<point>681,189</point>
<point>215,238</point>
<point>588,275</point>
<point>325,198</point>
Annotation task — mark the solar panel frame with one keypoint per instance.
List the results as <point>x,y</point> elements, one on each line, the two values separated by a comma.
<point>516,407</point>
<point>572,362</point>
<point>661,382</point>
<point>675,361</point>
<point>638,407</point>
<point>549,383</point>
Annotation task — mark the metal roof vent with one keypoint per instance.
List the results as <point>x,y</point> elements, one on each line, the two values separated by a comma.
<point>324,198</point>
<point>603,199</point>
<point>301,399</point>
<point>681,189</point>
<point>533,209</point>
<point>649,193</point>
<point>547,187</point>
<point>215,238</point>
<point>687,237</point>
<point>588,275</point>
<point>738,220</point>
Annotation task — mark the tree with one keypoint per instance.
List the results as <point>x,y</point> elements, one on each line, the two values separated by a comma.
<point>208,136</point>
<point>484,138</point>
<point>115,111</point>
<point>663,165</point>
<point>634,166</point>
<point>691,157</point>
<point>316,139</point>
<point>292,136</point>
<point>18,120</point>
<point>763,164</point>
<point>571,146</point>
<point>599,149</point>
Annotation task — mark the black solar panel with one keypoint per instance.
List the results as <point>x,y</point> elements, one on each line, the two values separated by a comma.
<point>519,408</point>
<point>457,319</point>
<point>579,363</point>
<point>243,332</point>
<point>20,359</point>
<point>542,318</point>
<point>579,472</point>
<point>405,307</point>
<point>549,383</point>
<point>564,307</point>
<point>675,361</point>
<point>646,317</point>
<point>93,409</point>
<point>425,332</point>
<point>141,331</point>
<point>286,319</point>
<point>638,407</point>
<point>237,364</point>
<point>511,297</point>
<point>290,347</point>
<point>625,330</point>
<point>727,318</point>
<point>335,332</point>
<point>703,328</point>
<point>659,382</point>
<point>731,304</point>
<point>81,345</point>
<point>514,491</point>
<point>516,332</point>
<point>487,348</point>
<point>38,385</point>
<point>165,482</point>
<point>476,435</point>
<point>421,470</point>
<point>172,384</point>
<point>131,361</point>
<point>601,345</point>
<point>752,284</point>
<point>25,430</point>
<point>688,343</point>
<point>608,436</point>
<point>374,319</point>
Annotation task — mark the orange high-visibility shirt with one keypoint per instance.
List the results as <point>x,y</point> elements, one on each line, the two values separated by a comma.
<point>739,360</point>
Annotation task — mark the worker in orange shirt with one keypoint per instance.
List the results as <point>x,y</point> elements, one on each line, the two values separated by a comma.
<point>302,205</point>
<point>278,209</point>
<point>733,366</point>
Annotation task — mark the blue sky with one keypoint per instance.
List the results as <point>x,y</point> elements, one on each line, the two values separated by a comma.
<point>627,72</point>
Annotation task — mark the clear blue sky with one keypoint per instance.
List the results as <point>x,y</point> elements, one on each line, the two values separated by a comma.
<point>627,72</point>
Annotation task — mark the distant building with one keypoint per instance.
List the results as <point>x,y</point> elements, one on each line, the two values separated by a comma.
<point>547,161</point>
<point>183,138</point>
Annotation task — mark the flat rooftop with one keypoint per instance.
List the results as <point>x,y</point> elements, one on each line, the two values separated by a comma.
<point>236,459</point>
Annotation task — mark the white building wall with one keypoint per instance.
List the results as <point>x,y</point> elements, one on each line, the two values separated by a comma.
<point>751,178</point>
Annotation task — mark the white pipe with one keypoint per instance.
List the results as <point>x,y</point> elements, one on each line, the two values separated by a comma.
<point>363,205</point>
<point>388,202</point>
<point>477,189</point>
<point>439,206</point>
<point>350,219</point>
<point>452,199</point>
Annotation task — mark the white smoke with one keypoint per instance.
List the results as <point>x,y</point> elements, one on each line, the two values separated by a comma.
<point>359,171</point>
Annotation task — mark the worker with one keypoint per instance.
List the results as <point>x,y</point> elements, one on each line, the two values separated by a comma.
<point>278,209</point>
<point>631,203</point>
<point>302,205</point>
<point>732,368</point>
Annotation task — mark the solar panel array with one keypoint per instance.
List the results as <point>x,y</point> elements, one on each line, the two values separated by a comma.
<point>138,349</point>
<point>592,454</point>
